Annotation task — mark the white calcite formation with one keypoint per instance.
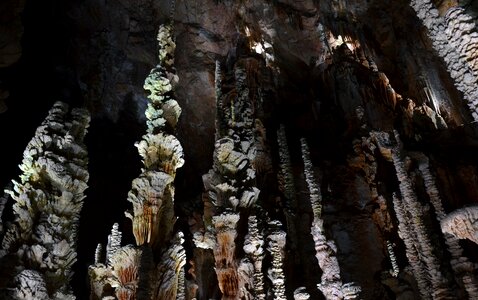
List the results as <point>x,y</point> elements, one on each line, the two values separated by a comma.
<point>412,211</point>
<point>131,271</point>
<point>462,223</point>
<point>169,278</point>
<point>331,283</point>
<point>48,200</point>
<point>393,259</point>
<point>301,294</point>
<point>125,265</point>
<point>455,38</point>
<point>230,187</point>
<point>152,193</point>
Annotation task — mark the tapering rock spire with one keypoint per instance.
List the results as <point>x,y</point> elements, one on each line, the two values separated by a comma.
<point>48,200</point>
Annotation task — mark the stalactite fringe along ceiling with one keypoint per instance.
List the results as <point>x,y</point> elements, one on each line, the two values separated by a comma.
<point>289,150</point>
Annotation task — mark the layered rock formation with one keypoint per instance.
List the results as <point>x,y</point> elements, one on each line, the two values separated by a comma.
<point>39,247</point>
<point>153,268</point>
<point>288,150</point>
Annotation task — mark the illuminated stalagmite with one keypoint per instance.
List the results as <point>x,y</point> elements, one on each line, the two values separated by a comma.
<point>48,200</point>
<point>229,185</point>
<point>131,271</point>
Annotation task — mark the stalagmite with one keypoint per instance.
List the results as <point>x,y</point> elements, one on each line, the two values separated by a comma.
<point>276,240</point>
<point>439,285</point>
<point>48,200</point>
<point>254,248</point>
<point>224,254</point>
<point>169,269</point>
<point>114,243</point>
<point>331,283</point>
<point>131,269</point>
<point>3,201</point>
<point>393,259</point>
<point>286,185</point>
<point>405,232</point>
<point>230,187</point>
<point>125,266</point>
<point>461,265</point>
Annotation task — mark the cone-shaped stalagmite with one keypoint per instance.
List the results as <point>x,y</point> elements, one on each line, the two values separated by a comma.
<point>48,200</point>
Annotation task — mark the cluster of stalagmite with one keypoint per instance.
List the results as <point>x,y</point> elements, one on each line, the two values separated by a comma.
<point>48,199</point>
<point>131,271</point>
<point>231,192</point>
<point>455,38</point>
<point>410,212</point>
<point>462,266</point>
<point>331,283</point>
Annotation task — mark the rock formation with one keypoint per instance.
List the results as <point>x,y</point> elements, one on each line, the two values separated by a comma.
<point>287,149</point>
<point>39,246</point>
<point>462,223</point>
<point>153,268</point>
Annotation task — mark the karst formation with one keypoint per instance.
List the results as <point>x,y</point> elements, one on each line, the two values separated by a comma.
<point>239,149</point>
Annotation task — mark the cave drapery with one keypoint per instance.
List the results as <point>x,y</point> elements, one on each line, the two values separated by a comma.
<point>287,149</point>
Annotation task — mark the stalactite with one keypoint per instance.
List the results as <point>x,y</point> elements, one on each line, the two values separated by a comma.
<point>48,201</point>
<point>276,240</point>
<point>461,265</point>
<point>439,285</point>
<point>454,38</point>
